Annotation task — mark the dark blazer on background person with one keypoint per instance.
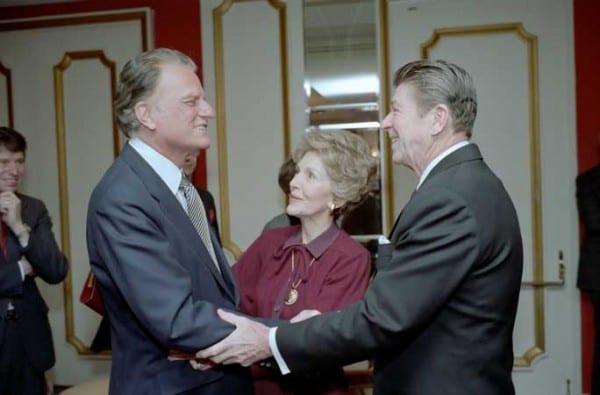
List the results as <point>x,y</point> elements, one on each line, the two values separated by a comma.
<point>159,284</point>
<point>438,317</point>
<point>588,205</point>
<point>50,265</point>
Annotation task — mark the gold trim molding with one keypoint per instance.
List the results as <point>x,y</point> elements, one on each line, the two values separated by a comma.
<point>530,41</point>
<point>61,138</point>
<point>384,89</point>
<point>9,103</point>
<point>72,20</point>
<point>218,14</point>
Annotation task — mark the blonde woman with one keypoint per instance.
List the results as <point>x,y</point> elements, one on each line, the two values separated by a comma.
<point>313,265</point>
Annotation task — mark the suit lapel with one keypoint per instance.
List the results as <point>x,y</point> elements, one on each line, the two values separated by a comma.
<point>467,153</point>
<point>175,213</point>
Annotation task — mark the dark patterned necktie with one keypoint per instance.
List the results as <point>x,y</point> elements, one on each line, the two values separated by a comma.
<point>197,215</point>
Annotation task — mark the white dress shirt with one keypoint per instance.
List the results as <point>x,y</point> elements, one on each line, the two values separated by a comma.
<point>166,170</point>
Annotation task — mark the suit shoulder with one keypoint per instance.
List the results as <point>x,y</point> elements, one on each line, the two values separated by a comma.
<point>589,176</point>
<point>30,200</point>
<point>119,183</point>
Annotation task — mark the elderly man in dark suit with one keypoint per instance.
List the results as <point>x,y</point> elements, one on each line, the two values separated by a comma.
<point>28,250</point>
<point>588,276</point>
<point>101,341</point>
<point>161,271</point>
<point>439,315</point>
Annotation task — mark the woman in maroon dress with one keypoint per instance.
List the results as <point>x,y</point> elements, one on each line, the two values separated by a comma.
<point>314,265</point>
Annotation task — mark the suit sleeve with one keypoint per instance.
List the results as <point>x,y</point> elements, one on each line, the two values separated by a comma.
<point>42,252</point>
<point>434,247</point>
<point>142,264</point>
<point>588,202</point>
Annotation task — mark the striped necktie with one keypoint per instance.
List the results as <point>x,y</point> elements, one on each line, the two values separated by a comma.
<point>197,215</point>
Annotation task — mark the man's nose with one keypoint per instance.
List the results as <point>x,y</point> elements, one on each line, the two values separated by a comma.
<point>205,109</point>
<point>11,168</point>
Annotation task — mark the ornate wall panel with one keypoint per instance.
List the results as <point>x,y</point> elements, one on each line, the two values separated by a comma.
<point>84,150</point>
<point>253,127</point>
<point>6,106</point>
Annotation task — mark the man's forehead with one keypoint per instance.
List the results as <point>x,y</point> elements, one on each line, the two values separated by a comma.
<point>6,154</point>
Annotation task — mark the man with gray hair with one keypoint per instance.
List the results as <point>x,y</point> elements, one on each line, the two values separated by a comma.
<point>439,315</point>
<point>161,272</point>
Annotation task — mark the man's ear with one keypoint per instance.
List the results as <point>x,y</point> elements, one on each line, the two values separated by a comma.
<point>144,116</point>
<point>441,117</point>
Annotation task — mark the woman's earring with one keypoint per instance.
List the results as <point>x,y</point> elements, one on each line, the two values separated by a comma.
<point>331,206</point>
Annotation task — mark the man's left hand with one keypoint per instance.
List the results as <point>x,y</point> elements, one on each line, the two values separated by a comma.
<point>247,344</point>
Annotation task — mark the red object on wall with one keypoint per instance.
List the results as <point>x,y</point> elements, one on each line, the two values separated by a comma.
<point>587,57</point>
<point>176,24</point>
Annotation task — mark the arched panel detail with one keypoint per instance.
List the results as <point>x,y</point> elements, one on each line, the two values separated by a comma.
<point>60,70</point>
<point>9,103</point>
<point>222,130</point>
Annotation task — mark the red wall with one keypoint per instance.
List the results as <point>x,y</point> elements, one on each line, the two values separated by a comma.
<point>587,61</point>
<point>176,24</point>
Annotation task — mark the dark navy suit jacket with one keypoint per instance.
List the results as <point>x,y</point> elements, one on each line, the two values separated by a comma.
<point>50,265</point>
<point>160,287</point>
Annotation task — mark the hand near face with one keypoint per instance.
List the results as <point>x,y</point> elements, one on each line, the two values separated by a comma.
<point>247,344</point>
<point>10,208</point>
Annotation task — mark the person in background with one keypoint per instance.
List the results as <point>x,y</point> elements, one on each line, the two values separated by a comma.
<point>438,316</point>
<point>588,276</point>
<point>313,265</point>
<point>161,272</point>
<point>28,250</point>
<point>287,171</point>
<point>207,199</point>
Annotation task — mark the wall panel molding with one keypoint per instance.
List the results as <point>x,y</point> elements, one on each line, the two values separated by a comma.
<point>83,19</point>
<point>9,100</point>
<point>222,130</point>
<point>61,137</point>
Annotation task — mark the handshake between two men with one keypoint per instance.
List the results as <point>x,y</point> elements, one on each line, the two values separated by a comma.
<point>246,345</point>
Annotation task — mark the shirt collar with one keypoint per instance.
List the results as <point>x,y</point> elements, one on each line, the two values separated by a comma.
<point>166,170</point>
<point>319,244</point>
<point>438,159</point>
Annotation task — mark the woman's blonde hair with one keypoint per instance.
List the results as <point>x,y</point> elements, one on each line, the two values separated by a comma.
<point>348,162</point>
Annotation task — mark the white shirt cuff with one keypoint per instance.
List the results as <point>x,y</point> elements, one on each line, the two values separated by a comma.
<point>22,271</point>
<point>276,354</point>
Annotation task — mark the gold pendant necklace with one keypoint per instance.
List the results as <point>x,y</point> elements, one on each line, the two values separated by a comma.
<point>293,295</point>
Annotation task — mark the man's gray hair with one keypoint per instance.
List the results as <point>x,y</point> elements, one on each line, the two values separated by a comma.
<point>138,80</point>
<point>441,82</point>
